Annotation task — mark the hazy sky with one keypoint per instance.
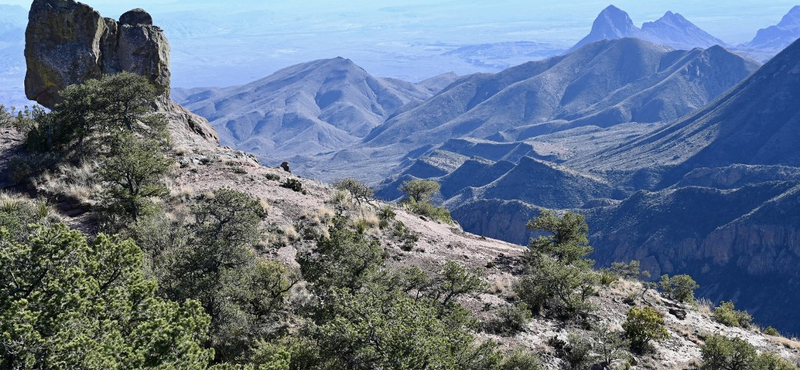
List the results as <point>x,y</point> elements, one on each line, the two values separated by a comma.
<point>732,21</point>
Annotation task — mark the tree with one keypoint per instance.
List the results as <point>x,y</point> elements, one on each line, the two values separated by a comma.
<point>680,287</point>
<point>134,172</point>
<point>359,190</point>
<point>567,240</point>
<point>345,259</point>
<point>722,353</point>
<point>726,313</point>
<point>643,325</point>
<point>67,303</point>
<point>609,345</point>
<point>418,190</point>
<point>562,290</point>
<point>91,114</point>
<point>217,266</point>
<point>630,270</point>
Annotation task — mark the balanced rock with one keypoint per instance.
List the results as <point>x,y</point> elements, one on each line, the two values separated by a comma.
<point>68,42</point>
<point>136,17</point>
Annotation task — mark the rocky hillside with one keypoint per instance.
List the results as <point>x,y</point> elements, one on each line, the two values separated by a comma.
<point>299,220</point>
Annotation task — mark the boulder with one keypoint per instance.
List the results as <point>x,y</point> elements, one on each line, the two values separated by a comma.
<point>136,17</point>
<point>68,42</point>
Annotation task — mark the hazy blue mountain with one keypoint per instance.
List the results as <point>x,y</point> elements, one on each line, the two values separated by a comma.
<point>306,109</point>
<point>777,37</point>
<point>13,20</point>
<point>602,84</point>
<point>672,30</point>
<point>612,23</point>
<point>757,122</point>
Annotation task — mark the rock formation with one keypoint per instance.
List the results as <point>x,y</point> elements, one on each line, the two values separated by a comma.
<point>68,42</point>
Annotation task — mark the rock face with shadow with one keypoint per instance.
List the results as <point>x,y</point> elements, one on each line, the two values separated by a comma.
<point>68,42</point>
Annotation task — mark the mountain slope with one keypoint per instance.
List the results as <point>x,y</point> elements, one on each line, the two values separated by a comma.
<point>309,108</point>
<point>757,122</point>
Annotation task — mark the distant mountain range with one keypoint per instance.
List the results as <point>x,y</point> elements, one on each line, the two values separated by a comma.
<point>672,30</point>
<point>776,38</point>
<point>307,109</point>
<point>13,20</point>
<point>757,122</point>
<point>713,194</point>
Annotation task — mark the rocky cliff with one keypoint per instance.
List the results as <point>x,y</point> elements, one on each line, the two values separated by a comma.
<point>68,42</point>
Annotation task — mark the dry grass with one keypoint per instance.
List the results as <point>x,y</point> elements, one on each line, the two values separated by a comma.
<point>786,342</point>
<point>704,306</point>
<point>80,183</point>
<point>181,193</point>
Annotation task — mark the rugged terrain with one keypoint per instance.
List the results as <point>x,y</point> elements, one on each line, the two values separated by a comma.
<point>748,202</point>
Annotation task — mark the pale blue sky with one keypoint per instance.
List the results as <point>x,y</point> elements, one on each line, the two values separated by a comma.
<point>734,21</point>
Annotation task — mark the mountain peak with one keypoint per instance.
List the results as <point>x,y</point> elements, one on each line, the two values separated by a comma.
<point>791,19</point>
<point>676,31</point>
<point>673,18</point>
<point>611,23</point>
<point>777,37</point>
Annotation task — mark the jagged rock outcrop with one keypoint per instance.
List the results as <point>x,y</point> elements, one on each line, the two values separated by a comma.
<point>68,42</point>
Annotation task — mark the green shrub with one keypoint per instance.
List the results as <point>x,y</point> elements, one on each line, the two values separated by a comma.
<point>272,177</point>
<point>643,325</point>
<point>578,352</point>
<point>680,287</point>
<point>359,190</point>
<point>724,353</point>
<point>771,331</point>
<point>293,184</point>
<point>607,277</point>
<point>727,314</point>
<point>630,270</point>
<point>386,214</point>
<point>521,359</point>
<point>429,210</point>
<point>559,290</point>
<point>511,319</point>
